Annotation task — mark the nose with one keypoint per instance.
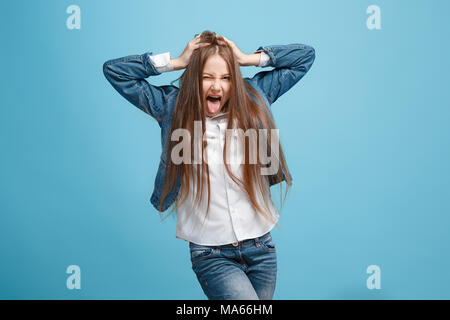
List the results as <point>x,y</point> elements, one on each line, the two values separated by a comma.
<point>215,85</point>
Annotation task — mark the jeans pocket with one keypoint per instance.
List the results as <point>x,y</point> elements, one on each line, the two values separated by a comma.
<point>198,254</point>
<point>268,244</point>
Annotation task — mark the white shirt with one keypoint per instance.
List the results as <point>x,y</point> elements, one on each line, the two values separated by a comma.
<point>231,215</point>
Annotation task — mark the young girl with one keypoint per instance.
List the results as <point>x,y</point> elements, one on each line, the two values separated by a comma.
<point>224,209</point>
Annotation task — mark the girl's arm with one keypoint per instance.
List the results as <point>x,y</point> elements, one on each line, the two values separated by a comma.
<point>127,75</point>
<point>291,62</point>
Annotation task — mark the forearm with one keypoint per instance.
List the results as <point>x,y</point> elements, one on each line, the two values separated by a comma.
<point>292,56</point>
<point>290,62</point>
<point>253,59</point>
<point>128,76</point>
<point>177,64</point>
<point>250,59</point>
<point>129,68</point>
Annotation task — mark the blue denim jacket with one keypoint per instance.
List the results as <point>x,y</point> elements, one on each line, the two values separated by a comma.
<point>127,75</point>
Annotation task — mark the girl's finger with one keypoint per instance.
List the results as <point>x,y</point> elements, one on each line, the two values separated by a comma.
<point>201,45</point>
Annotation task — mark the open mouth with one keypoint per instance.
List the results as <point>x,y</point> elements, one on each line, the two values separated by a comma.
<point>213,103</point>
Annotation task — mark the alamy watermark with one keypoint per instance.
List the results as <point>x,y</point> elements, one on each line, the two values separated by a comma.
<point>373,22</point>
<point>74,20</point>
<point>74,280</point>
<point>374,280</point>
<point>234,155</point>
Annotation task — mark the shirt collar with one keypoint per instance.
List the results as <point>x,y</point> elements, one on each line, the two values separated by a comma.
<point>219,116</point>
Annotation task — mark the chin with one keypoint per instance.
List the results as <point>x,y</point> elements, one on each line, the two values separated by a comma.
<point>212,114</point>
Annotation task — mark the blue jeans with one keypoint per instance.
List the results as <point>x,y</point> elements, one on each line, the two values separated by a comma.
<point>245,270</point>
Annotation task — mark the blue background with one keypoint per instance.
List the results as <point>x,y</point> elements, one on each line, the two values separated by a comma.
<point>365,134</point>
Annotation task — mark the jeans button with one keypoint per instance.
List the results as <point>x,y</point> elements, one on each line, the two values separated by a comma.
<point>235,244</point>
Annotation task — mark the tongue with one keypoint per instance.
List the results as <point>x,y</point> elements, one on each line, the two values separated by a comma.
<point>213,106</point>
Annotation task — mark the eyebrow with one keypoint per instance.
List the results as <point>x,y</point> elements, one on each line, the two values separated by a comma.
<point>226,74</point>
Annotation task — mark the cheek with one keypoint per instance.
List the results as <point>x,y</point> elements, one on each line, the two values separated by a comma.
<point>227,89</point>
<point>204,89</point>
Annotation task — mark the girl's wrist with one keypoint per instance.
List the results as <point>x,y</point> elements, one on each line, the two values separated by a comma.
<point>176,64</point>
<point>250,59</point>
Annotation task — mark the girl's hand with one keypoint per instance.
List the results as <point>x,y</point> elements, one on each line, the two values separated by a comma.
<point>242,58</point>
<point>183,60</point>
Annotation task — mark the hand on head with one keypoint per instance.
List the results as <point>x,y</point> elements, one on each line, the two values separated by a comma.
<point>204,39</point>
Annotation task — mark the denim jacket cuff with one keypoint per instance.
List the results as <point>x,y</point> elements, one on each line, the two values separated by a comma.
<point>148,64</point>
<point>162,62</point>
<point>268,50</point>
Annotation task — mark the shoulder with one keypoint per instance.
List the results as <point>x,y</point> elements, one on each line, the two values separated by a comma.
<point>254,85</point>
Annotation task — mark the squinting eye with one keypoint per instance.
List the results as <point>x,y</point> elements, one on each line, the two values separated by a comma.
<point>228,78</point>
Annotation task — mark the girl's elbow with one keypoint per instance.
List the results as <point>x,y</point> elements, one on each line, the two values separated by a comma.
<point>106,69</point>
<point>311,52</point>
